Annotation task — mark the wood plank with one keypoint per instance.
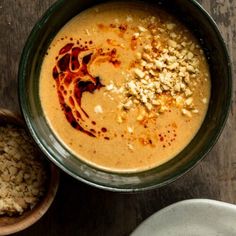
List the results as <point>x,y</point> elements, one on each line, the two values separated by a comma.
<point>82,210</point>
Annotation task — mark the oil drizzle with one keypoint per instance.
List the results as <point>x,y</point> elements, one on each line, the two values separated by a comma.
<point>69,72</point>
<point>73,79</point>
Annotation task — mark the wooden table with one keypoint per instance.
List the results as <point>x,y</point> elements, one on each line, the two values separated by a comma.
<point>82,210</point>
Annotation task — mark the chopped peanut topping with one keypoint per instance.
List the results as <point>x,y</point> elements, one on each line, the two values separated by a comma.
<point>164,72</point>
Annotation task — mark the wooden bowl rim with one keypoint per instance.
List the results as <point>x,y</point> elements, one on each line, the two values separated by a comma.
<point>32,216</point>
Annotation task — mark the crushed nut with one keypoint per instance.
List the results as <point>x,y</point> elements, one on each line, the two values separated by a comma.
<point>142,29</point>
<point>170,26</point>
<point>162,69</point>
<point>130,129</point>
<point>186,113</point>
<point>98,109</point>
<point>130,146</point>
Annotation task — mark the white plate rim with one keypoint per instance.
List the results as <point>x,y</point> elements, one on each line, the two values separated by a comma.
<point>189,202</point>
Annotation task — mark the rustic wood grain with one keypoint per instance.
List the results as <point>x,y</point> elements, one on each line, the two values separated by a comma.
<point>83,210</point>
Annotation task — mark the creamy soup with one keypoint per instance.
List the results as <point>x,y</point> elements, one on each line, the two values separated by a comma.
<point>124,86</point>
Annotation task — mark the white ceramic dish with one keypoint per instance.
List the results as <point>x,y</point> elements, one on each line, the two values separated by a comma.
<point>196,217</point>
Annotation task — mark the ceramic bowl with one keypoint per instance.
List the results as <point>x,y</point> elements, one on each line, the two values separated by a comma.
<point>13,224</point>
<point>204,28</point>
<point>193,217</point>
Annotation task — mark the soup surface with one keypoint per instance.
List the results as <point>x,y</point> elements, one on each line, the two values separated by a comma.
<point>124,86</point>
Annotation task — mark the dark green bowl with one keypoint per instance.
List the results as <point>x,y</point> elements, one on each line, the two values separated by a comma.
<point>202,25</point>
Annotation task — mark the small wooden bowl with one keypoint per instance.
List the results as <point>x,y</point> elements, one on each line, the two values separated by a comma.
<point>13,224</point>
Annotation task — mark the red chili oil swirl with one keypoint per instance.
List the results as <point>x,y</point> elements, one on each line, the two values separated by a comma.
<point>70,73</point>
<point>72,77</point>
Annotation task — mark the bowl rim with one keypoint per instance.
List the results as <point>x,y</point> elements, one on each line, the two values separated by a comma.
<point>174,176</point>
<point>45,202</point>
